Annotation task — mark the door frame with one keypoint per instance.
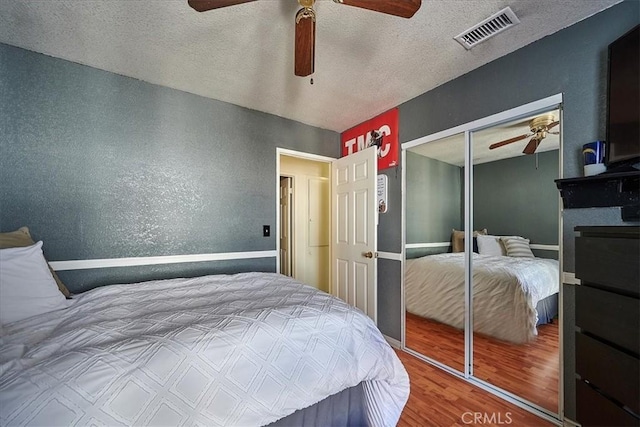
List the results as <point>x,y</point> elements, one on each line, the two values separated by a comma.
<point>467,129</point>
<point>300,155</point>
<point>279,227</point>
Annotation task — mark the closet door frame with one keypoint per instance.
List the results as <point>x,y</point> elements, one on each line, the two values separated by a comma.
<point>532,108</point>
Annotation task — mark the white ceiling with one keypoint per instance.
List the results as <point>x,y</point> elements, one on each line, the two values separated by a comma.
<point>366,62</point>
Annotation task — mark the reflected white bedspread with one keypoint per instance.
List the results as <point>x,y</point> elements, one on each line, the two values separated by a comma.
<point>506,292</point>
<point>239,350</point>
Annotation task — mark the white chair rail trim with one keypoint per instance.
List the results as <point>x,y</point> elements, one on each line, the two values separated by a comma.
<point>445,244</point>
<point>85,264</point>
<point>427,245</point>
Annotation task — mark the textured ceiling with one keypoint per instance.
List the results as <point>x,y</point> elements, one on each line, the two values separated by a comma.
<point>366,62</point>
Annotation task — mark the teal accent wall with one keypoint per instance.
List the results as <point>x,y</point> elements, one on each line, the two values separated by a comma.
<point>99,165</point>
<point>434,194</point>
<point>518,197</point>
<point>515,196</point>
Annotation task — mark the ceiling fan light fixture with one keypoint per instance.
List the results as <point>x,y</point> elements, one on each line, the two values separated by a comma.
<point>305,13</point>
<point>539,127</point>
<point>541,123</point>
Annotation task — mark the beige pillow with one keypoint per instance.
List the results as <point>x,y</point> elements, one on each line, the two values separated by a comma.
<point>21,238</point>
<point>457,239</point>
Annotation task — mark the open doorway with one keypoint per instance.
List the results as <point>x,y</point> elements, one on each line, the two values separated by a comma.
<point>304,218</point>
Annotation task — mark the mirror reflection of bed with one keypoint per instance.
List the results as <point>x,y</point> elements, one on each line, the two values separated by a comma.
<point>514,263</point>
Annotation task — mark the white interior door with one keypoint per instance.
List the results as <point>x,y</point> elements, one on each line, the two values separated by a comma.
<point>285,226</point>
<point>354,230</point>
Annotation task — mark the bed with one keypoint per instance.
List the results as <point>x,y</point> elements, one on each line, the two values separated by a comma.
<point>512,295</point>
<point>245,349</point>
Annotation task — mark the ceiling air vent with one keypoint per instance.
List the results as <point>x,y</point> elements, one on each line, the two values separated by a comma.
<point>491,26</point>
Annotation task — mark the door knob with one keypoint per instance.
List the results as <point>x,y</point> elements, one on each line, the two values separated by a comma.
<point>368,254</point>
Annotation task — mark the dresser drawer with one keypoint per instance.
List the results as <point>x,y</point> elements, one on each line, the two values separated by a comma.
<point>610,316</point>
<point>609,261</point>
<point>593,409</point>
<point>615,373</point>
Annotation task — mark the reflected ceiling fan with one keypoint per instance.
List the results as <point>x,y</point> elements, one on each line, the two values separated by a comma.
<point>540,127</point>
<point>306,22</point>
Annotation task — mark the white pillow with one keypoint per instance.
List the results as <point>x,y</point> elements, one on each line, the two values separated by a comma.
<point>517,246</point>
<point>27,287</point>
<point>490,245</point>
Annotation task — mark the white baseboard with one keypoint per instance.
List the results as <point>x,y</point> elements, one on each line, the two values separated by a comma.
<point>570,423</point>
<point>393,342</point>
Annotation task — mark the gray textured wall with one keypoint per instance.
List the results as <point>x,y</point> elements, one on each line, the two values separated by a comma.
<point>434,204</point>
<point>103,166</point>
<point>572,62</point>
<point>512,197</point>
<point>389,273</point>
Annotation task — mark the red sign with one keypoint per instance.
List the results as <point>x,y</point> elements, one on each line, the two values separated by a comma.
<point>359,137</point>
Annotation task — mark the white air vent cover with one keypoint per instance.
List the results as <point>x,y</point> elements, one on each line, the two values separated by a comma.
<point>491,26</point>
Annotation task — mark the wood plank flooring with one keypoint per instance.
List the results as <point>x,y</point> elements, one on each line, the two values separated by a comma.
<point>439,399</point>
<point>529,370</point>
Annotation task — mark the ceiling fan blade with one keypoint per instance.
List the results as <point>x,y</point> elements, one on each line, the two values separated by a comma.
<point>508,141</point>
<point>305,42</point>
<point>402,8</point>
<point>552,125</point>
<point>532,146</point>
<point>204,5</point>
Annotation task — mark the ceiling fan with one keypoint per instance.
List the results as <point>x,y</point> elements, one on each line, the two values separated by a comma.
<point>306,22</point>
<point>540,127</point>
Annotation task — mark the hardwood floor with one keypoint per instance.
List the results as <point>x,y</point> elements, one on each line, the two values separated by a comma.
<point>529,370</point>
<point>439,399</point>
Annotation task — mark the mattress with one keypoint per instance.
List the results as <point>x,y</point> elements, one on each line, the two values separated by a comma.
<point>506,291</point>
<point>246,349</point>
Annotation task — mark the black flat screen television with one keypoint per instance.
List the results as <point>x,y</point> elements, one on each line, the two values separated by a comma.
<point>623,101</point>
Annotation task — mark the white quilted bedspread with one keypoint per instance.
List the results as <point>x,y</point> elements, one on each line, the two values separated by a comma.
<point>238,350</point>
<point>506,291</point>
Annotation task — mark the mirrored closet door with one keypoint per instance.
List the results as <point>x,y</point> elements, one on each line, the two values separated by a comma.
<point>515,261</point>
<point>501,278</point>
<point>434,308</point>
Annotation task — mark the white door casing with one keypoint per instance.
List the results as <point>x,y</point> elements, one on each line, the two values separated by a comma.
<point>354,218</point>
<point>285,227</point>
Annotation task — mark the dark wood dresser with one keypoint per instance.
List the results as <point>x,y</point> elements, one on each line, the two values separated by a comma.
<point>607,262</point>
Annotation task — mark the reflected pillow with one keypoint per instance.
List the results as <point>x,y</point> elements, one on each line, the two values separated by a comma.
<point>27,287</point>
<point>21,238</point>
<point>457,239</point>
<point>517,246</point>
<point>491,245</point>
